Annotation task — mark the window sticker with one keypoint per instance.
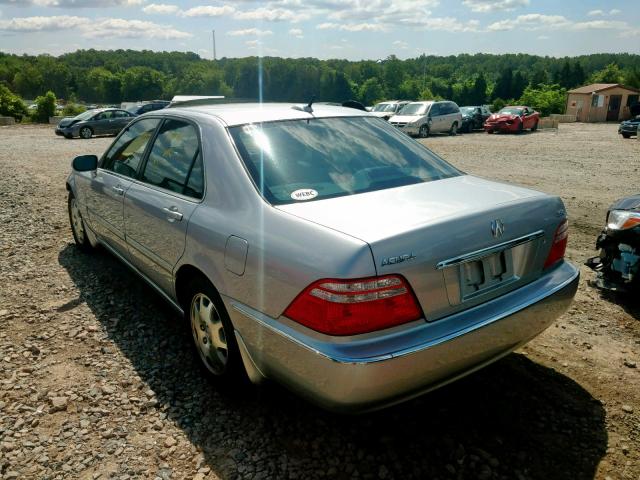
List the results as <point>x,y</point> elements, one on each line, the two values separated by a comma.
<point>304,194</point>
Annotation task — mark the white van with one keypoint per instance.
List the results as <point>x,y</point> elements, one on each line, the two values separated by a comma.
<point>423,118</point>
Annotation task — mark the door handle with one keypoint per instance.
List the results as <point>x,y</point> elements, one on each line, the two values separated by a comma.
<point>172,214</point>
<point>118,190</point>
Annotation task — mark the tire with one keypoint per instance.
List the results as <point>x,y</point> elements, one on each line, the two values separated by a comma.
<point>454,129</point>
<point>68,136</point>
<point>78,228</point>
<point>86,132</point>
<point>424,131</point>
<point>470,127</point>
<point>520,128</point>
<point>490,132</point>
<point>626,135</point>
<point>535,127</point>
<point>210,326</point>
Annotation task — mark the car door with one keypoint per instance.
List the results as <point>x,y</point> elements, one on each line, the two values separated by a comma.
<point>527,118</point>
<point>120,120</point>
<point>106,190</point>
<point>435,114</point>
<point>158,207</point>
<point>102,125</point>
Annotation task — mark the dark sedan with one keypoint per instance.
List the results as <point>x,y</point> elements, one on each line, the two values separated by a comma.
<point>100,121</point>
<point>630,127</point>
<point>473,118</point>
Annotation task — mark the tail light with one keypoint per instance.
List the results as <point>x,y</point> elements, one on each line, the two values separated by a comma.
<point>559,245</point>
<point>351,307</point>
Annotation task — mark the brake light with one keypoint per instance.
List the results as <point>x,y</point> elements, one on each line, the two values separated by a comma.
<point>559,245</point>
<point>351,307</point>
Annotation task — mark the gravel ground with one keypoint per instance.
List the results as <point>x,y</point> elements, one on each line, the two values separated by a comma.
<point>97,379</point>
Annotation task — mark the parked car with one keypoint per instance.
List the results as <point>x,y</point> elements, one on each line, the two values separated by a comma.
<point>425,118</point>
<point>513,119</point>
<point>389,108</point>
<point>629,128</point>
<point>148,107</point>
<point>100,121</point>
<point>473,118</point>
<point>618,265</point>
<point>320,247</point>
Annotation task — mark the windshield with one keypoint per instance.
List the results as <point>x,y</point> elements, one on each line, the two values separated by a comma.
<point>86,115</point>
<point>414,109</point>
<point>385,107</point>
<point>464,110</point>
<point>511,111</point>
<point>331,157</point>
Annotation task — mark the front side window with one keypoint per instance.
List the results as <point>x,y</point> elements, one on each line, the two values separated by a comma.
<point>175,161</point>
<point>126,153</point>
<point>332,157</point>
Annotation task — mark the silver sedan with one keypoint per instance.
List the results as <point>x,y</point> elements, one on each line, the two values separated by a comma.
<point>320,247</point>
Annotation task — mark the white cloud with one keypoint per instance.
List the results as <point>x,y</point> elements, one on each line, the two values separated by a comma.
<point>253,43</point>
<point>296,32</point>
<point>121,28</point>
<point>600,25</point>
<point>209,11</point>
<point>91,28</point>
<point>615,11</point>
<point>485,6</point>
<point>73,3</point>
<point>37,24</point>
<point>249,31</point>
<point>400,44</point>
<point>271,15</point>
<point>595,13</point>
<point>531,21</point>
<point>352,27</point>
<point>161,9</point>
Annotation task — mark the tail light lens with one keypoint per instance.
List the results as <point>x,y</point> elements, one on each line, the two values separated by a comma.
<point>559,245</point>
<point>351,307</point>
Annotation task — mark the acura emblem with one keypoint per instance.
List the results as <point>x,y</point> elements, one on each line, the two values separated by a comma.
<point>497,228</point>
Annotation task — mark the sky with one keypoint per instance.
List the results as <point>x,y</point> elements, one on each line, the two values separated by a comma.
<point>351,29</point>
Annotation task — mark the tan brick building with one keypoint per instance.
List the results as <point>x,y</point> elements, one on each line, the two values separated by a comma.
<point>601,102</point>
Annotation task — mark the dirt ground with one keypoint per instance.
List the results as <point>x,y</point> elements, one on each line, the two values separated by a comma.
<point>97,379</point>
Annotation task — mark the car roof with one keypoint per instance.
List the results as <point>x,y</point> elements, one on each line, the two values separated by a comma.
<point>242,113</point>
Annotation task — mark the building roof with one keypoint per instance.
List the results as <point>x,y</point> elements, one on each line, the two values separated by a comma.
<point>598,87</point>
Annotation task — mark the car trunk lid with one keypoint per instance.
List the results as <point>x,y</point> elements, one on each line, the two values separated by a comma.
<point>459,241</point>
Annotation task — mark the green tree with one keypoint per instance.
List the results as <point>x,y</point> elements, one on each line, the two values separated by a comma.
<point>479,92</point>
<point>504,84</point>
<point>11,105</point>
<point>609,74</point>
<point>498,104</point>
<point>142,83</point>
<point>45,107</point>
<point>546,99</point>
<point>371,91</point>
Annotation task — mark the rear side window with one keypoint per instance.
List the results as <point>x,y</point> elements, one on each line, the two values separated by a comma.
<point>126,153</point>
<point>175,161</point>
<point>320,158</point>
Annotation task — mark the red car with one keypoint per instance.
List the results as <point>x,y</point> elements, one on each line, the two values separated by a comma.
<point>512,119</point>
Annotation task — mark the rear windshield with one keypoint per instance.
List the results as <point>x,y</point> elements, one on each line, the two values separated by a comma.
<point>305,160</point>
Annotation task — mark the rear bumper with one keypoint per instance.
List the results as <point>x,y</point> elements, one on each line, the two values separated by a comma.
<point>370,371</point>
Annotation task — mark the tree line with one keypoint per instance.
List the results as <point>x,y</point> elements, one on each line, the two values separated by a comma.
<point>108,77</point>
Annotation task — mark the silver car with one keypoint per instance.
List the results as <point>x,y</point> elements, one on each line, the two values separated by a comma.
<point>424,118</point>
<point>320,247</point>
<point>100,121</point>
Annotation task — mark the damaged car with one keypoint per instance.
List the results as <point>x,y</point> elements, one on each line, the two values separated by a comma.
<point>618,264</point>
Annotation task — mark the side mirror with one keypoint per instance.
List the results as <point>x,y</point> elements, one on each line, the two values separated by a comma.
<point>85,163</point>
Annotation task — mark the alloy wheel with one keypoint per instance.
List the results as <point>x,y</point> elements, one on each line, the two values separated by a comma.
<point>209,334</point>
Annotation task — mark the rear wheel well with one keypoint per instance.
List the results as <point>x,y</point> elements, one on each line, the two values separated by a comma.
<point>184,276</point>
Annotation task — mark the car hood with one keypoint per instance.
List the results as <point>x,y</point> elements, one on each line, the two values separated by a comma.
<point>382,114</point>
<point>627,203</point>
<point>375,215</point>
<point>502,116</point>
<point>67,121</point>
<point>405,118</point>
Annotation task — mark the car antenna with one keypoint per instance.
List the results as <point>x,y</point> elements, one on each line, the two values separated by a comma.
<point>307,108</point>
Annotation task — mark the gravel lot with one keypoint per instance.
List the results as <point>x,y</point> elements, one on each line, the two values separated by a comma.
<point>97,379</point>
